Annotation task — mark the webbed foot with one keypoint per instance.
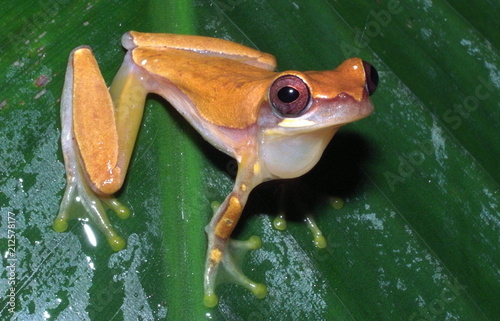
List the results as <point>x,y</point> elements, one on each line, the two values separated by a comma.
<point>77,193</point>
<point>227,267</point>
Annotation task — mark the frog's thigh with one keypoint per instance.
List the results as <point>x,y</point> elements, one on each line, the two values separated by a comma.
<point>94,122</point>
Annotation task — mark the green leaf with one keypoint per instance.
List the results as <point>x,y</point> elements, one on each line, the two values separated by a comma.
<point>417,239</point>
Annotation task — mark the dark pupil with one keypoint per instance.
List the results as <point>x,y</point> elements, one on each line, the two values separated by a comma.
<point>288,94</point>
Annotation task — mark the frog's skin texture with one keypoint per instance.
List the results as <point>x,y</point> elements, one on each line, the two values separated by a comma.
<point>275,124</point>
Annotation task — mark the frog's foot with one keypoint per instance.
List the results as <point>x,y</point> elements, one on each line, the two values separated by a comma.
<point>229,270</point>
<point>78,193</point>
<point>227,267</point>
<point>318,239</point>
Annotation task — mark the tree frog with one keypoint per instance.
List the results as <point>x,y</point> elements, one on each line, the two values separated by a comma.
<point>275,124</point>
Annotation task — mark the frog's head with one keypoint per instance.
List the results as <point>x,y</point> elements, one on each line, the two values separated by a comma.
<point>305,109</point>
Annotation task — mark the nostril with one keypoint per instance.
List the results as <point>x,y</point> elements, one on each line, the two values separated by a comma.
<point>371,76</point>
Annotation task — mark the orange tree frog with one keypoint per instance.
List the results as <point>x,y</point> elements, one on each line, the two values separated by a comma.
<point>275,124</point>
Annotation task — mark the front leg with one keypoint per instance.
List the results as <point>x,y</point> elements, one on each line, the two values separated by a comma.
<point>226,254</point>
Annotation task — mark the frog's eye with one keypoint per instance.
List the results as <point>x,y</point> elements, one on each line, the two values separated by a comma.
<point>371,76</point>
<point>289,96</point>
